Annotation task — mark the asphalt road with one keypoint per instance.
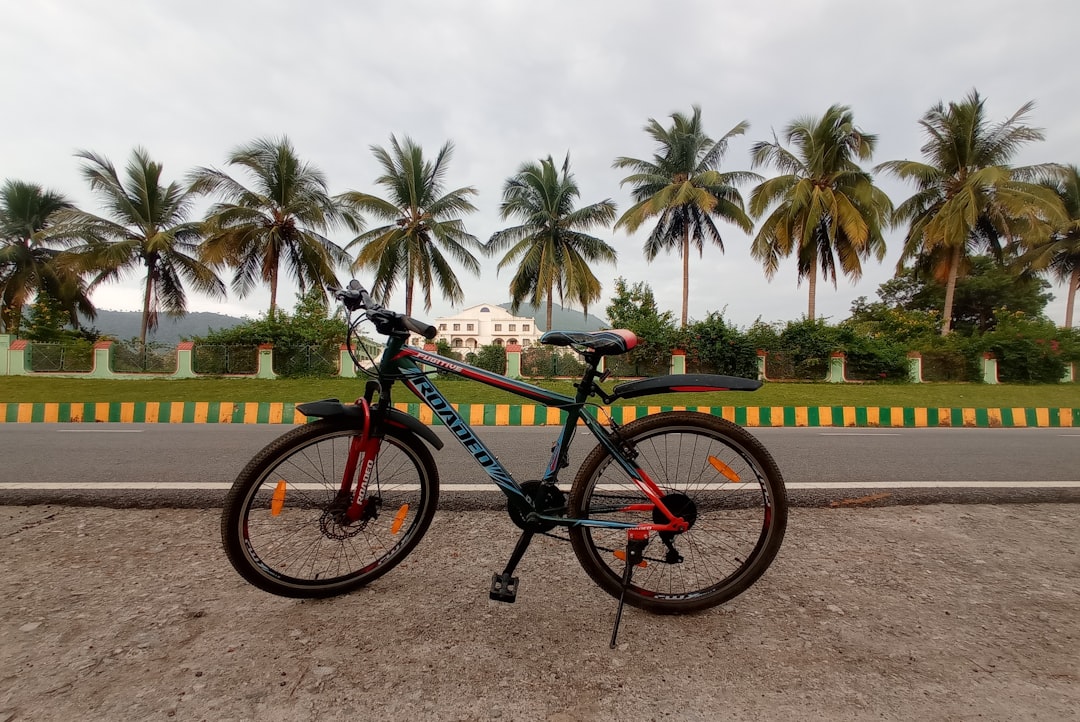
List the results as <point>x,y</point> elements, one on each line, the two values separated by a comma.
<point>820,465</point>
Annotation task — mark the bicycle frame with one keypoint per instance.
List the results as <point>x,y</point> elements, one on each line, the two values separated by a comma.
<point>661,480</point>
<point>402,362</point>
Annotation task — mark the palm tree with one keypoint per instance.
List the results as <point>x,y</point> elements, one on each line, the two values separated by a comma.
<point>30,265</point>
<point>1060,251</point>
<point>422,225</point>
<point>147,227</point>
<point>682,186</point>
<point>967,198</point>
<point>550,246</point>
<point>828,211</point>
<point>276,221</point>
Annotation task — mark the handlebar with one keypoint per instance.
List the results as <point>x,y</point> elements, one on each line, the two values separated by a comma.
<point>355,297</point>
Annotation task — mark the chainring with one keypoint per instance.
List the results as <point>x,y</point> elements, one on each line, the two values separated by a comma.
<point>551,501</point>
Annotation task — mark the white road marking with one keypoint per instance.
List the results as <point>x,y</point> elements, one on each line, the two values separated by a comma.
<point>99,431</point>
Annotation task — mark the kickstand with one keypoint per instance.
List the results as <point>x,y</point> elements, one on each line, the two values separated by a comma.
<point>636,541</point>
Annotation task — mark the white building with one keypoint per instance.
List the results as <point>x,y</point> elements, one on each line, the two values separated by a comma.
<point>484,325</point>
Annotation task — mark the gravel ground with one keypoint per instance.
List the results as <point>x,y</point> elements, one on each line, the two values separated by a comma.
<point>897,613</point>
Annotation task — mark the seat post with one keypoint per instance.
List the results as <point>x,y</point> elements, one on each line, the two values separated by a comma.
<point>592,360</point>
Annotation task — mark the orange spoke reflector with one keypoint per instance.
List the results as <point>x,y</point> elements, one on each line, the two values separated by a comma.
<point>399,519</point>
<point>621,554</point>
<point>723,468</point>
<point>278,500</point>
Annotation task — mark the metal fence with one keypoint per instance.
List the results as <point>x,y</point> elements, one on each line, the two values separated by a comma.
<point>781,366</point>
<point>219,359</point>
<point>541,362</point>
<point>54,357</point>
<point>151,358</point>
<point>626,367</point>
<point>544,363</point>
<point>946,366</point>
<point>306,360</point>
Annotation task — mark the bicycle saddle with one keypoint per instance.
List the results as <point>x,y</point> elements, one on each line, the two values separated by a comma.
<point>605,343</point>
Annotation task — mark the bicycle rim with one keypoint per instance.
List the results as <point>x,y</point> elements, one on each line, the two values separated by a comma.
<point>284,527</point>
<point>715,475</point>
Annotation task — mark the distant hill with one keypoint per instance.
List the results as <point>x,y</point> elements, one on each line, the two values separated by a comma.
<point>125,325</point>
<point>562,319</point>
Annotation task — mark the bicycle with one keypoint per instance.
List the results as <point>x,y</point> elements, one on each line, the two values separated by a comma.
<point>334,504</point>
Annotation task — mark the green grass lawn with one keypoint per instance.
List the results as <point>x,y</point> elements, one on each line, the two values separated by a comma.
<point>37,389</point>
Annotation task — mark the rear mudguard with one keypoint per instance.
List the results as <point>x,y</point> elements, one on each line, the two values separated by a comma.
<point>329,408</point>
<point>683,382</point>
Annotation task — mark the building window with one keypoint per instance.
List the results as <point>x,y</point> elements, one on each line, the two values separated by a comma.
<point>525,327</point>
<point>513,327</point>
<point>456,343</point>
<point>498,342</point>
<point>511,341</point>
<point>498,327</point>
<point>526,343</point>
<point>442,326</point>
<point>457,326</point>
<point>469,327</point>
<point>485,309</point>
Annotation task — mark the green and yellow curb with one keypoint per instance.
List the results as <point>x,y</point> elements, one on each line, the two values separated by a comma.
<point>225,412</point>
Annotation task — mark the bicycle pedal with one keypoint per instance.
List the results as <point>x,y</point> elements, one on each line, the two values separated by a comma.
<point>503,588</point>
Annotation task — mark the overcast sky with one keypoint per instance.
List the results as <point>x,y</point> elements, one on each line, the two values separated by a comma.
<point>511,82</point>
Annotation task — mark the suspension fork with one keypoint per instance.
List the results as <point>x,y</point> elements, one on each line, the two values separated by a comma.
<point>361,458</point>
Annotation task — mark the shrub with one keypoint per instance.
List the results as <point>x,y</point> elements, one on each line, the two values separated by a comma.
<point>874,359</point>
<point>306,343</point>
<point>713,346</point>
<point>1028,350</point>
<point>548,362</point>
<point>491,358</point>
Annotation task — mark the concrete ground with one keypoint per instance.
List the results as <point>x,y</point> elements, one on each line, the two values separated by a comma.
<point>905,612</point>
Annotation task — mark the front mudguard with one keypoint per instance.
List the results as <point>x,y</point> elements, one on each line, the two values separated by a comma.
<point>676,383</point>
<point>330,408</point>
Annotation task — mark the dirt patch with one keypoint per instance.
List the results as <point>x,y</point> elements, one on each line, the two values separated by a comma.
<point>957,612</point>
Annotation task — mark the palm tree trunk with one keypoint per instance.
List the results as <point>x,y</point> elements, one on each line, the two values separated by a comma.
<point>950,288</point>
<point>146,306</point>
<point>685,275</point>
<point>550,303</point>
<point>1074,283</point>
<point>273,293</point>
<point>811,282</point>
<point>408,296</point>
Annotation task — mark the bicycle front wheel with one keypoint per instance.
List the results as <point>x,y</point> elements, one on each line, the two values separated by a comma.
<point>713,474</point>
<point>284,526</point>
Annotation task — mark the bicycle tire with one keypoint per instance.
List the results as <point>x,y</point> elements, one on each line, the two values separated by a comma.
<point>736,526</point>
<point>300,549</point>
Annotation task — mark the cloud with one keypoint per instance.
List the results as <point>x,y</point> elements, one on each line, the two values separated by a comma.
<point>512,82</point>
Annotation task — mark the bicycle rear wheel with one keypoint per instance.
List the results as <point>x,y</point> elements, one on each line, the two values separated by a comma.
<point>283,525</point>
<point>712,473</point>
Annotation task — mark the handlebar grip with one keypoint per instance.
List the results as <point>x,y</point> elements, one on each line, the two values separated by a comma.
<point>356,297</point>
<point>424,329</point>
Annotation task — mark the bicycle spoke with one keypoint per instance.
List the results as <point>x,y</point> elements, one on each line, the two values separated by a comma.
<point>289,530</point>
<point>708,474</point>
